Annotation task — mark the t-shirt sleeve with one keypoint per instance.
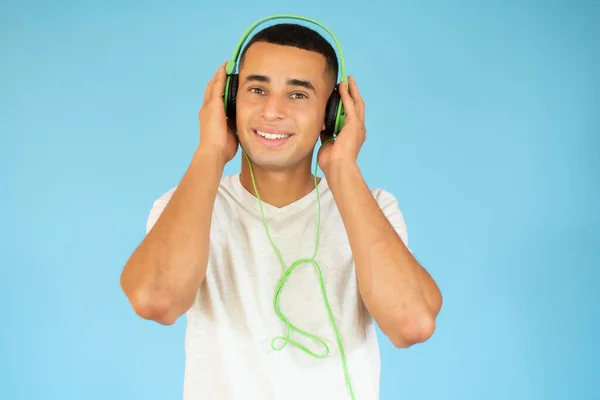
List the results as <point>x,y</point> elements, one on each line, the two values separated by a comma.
<point>158,207</point>
<point>390,208</point>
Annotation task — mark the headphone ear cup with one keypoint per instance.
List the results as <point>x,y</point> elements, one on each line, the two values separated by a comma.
<point>331,112</point>
<point>230,95</point>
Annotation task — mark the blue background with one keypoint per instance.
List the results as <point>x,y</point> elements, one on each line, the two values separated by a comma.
<point>483,120</point>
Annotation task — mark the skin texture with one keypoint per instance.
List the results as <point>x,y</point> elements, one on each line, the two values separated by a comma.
<point>285,90</point>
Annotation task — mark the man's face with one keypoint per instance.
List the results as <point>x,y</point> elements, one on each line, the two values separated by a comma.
<point>281,102</point>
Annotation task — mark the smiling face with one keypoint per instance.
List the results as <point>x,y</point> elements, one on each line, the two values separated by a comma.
<point>280,105</point>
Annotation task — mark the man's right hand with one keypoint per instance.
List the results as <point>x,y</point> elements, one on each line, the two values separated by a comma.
<point>215,133</point>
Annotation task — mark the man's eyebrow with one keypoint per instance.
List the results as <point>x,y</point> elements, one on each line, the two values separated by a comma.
<point>259,78</point>
<point>303,83</point>
<point>292,82</point>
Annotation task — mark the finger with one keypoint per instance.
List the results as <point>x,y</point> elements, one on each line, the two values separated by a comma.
<point>347,101</point>
<point>208,91</point>
<point>219,84</point>
<point>358,100</point>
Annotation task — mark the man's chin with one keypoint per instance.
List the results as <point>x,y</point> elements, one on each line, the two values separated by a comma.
<point>268,159</point>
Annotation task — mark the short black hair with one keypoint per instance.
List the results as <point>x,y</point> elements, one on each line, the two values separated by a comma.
<point>301,37</point>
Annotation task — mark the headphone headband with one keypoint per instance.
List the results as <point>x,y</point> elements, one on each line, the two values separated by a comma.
<point>232,62</point>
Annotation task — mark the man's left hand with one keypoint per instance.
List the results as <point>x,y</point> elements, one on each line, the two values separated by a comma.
<point>344,150</point>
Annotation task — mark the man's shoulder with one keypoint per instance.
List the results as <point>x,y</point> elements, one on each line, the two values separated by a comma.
<point>164,197</point>
<point>384,197</point>
<point>389,205</point>
<point>159,203</point>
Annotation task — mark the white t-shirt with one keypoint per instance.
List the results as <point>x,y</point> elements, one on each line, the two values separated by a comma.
<point>233,319</point>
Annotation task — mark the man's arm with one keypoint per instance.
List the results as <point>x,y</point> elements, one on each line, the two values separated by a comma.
<point>163,274</point>
<point>400,295</point>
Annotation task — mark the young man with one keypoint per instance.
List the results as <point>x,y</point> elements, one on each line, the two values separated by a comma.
<point>256,328</point>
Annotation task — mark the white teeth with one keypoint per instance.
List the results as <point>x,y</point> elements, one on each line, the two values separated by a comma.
<point>272,136</point>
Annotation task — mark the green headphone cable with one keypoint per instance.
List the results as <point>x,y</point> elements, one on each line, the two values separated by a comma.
<point>286,273</point>
<point>335,117</point>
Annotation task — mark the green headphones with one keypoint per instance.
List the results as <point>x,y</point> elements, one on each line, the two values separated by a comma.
<point>335,114</point>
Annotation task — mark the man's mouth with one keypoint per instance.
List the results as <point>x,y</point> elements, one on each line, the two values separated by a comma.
<point>272,138</point>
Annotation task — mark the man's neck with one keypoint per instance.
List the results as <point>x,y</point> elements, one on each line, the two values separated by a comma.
<point>278,188</point>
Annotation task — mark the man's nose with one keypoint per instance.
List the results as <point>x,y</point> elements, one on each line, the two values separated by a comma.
<point>273,107</point>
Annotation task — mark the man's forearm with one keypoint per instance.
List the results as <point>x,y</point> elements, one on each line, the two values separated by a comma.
<point>400,295</point>
<point>163,274</point>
